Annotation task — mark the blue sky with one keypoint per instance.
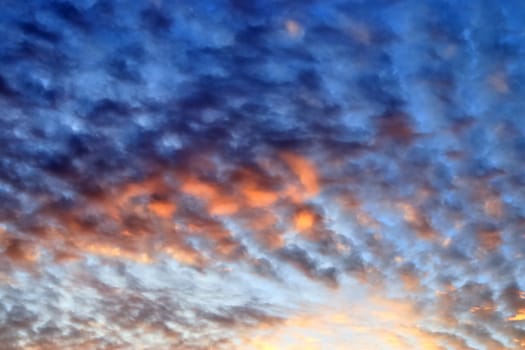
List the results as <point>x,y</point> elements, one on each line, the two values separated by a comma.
<point>262,174</point>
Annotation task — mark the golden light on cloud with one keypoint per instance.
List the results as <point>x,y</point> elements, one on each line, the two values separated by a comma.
<point>372,322</point>
<point>163,209</point>
<point>520,316</point>
<point>224,206</point>
<point>305,171</point>
<point>184,256</point>
<point>258,197</point>
<point>198,188</point>
<point>304,220</point>
<point>113,251</point>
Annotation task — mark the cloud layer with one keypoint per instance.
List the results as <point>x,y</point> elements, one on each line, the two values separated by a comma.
<point>228,174</point>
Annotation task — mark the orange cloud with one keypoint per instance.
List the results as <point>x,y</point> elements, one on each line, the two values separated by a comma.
<point>304,219</point>
<point>416,219</point>
<point>224,205</point>
<point>304,170</point>
<point>21,251</point>
<point>219,203</point>
<point>519,316</point>
<point>258,191</point>
<point>198,188</point>
<point>114,250</point>
<point>184,255</point>
<point>308,222</point>
<point>258,197</point>
<point>163,209</point>
<point>120,197</point>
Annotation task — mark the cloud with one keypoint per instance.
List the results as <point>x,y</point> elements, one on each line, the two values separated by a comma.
<point>179,174</point>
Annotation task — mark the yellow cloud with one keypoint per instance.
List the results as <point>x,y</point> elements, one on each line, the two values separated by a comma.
<point>520,316</point>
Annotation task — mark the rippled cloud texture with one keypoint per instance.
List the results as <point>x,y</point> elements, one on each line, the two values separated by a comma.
<point>262,174</point>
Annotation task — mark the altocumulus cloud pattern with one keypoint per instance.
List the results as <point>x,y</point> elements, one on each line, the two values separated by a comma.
<point>191,175</point>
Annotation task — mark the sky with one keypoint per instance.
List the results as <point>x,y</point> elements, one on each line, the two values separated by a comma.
<point>262,175</point>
